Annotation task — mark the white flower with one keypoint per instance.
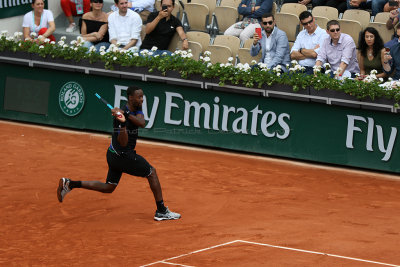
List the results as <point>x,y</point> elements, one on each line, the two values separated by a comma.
<point>374,72</point>
<point>75,48</point>
<point>144,52</point>
<point>207,59</point>
<point>278,74</point>
<point>154,48</point>
<point>63,38</point>
<point>164,54</point>
<point>65,46</point>
<point>151,53</point>
<point>102,48</point>
<point>253,62</point>
<point>102,53</point>
<point>209,65</point>
<point>294,62</point>
<point>41,47</point>
<point>4,33</point>
<point>123,51</point>
<point>92,49</point>
<point>114,58</point>
<point>118,44</point>
<point>73,42</point>
<point>52,42</point>
<point>327,65</point>
<point>230,59</point>
<point>33,34</point>
<point>189,50</point>
<point>47,40</point>
<point>136,54</point>
<point>328,71</point>
<point>221,65</point>
<point>207,53</point>
<point>61,43</point>
<point>381,79</point>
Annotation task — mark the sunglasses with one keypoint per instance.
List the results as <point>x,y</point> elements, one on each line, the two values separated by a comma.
<point>267,22</point>
<point>335,30</point>
<point>97,1</point>
<point>306,23</point>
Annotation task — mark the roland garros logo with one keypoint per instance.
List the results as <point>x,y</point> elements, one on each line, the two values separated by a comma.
<point>71,98</point>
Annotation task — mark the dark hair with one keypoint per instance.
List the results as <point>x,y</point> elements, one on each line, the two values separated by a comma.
<point>332,22</point>
<point>304,15</point>
<point>116,2</point>
<point>132,89</point>
<point>173,2</point>
<point>376,47</point>
<point>267,15</point>
<point>34,1</point>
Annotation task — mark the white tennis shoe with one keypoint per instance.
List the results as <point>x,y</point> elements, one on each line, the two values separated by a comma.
<point>63,188</point>
<point>167,215</point>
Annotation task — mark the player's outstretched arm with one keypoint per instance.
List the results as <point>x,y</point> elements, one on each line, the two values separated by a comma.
<point>138,120</point>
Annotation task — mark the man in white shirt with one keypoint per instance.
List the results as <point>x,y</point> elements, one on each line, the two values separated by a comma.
<point>308,42</point>
<point>143,7</point>
<point>124,27</point>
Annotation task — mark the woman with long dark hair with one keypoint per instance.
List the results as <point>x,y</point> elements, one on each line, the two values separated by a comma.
<point>371,53</point>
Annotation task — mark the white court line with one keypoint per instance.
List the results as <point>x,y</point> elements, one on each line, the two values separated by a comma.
<point>294,161</point>
<point>315,252</point>
<point>176,264</point>
<point>272,246</point>
<point>190,253</point>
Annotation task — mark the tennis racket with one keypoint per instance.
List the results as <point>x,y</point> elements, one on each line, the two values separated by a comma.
<point>107,104</point>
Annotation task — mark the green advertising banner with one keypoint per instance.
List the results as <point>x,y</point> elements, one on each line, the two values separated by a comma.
<point>11,8</point>
<point>287,128</point>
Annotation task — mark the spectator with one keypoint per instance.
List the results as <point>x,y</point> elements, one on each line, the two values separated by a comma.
<point>74,8</point>
<point>371,53</point>
<point>391,61</point>
<point>391,5</point>
<point>143,7</point>
<point>376,6</point>
<point>39,21</point>
<point>94,30</point>
<point>273,42</point>
<point>395,39</point>
<point>161,27</point>
<point>124,27</point>
<point>394,17</point>
<point>308,42</point>
<point>252,11</point>
<point>339,50</point>
<point>340,5</point>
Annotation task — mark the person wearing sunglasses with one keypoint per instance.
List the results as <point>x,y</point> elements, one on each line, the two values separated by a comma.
<point>124,27</point>
<point>308,42</point>
<point>252,11</point>
<point>273,43</point>
<point>339,50</point>
<point>94,28</point>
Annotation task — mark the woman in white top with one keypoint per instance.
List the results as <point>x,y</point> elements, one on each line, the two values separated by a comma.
<point>39,21</point>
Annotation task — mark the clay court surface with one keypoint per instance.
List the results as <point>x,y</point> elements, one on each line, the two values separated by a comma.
<point>237,210</point>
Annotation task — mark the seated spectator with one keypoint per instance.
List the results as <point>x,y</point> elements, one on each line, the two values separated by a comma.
<point>94,30</point>
<point>391,62</point>
<point>273,43</point>
<point>394,17</point>
<point>339,50</point>
<point>376,6</point>
<point>395,39</point>
<point>391,5</point>
<point>340,5</point>
<point>74,8</point>
<point>252,11</point>
<point>308,42</point>
<point>124,27</point>
<point>161,27</point>
<point>143,7</point>
<point>371,53</point>
<point>39,21</point>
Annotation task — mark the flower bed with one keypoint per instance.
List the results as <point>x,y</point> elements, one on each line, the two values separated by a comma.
<point>181,62</point>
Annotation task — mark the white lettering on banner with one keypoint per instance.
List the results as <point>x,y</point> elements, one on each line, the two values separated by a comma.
<point>12,3</point>
<point>351,128</point>
<point>239,124</point>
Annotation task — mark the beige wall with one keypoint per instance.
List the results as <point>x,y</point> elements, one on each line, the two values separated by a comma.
<point>14,24</point>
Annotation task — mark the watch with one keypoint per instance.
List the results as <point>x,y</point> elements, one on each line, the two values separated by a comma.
<point>300,50</point>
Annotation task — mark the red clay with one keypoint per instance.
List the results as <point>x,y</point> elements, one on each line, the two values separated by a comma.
<point>221,197</point>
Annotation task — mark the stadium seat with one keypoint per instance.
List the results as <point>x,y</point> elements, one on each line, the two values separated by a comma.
<point>321,21</point>
<point>288,23</point>
<point>359,15</point>
<point>385,34</point>
<point>174,42</point>
<point>211,4</point>
<point>293,8</point>
<point>382,17</point>
<point>195,17</point>
<point>245,57</point>
<point>219,53</point>
<point>195,47</point>
<point>199,37</point>
<point>325,11</point>
<point>248,43</point>
<point>224,17</point>
<point>230,3</point>
<point>352,28</point>
<point>230,41</point>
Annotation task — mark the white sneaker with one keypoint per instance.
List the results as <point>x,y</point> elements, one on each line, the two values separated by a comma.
<point>63,188</point>
<point>71,27</point>
<point>167,215</point>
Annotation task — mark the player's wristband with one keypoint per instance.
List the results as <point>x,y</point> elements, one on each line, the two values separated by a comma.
<point>122,124</point>
<point>126,114</point>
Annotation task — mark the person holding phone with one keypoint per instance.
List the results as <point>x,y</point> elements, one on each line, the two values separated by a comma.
<point>391,5</point>
<point>391,62</point>
<point>394,16</point>
<point>308,42</point>
<point>273,43</point>
<point>161,27</point>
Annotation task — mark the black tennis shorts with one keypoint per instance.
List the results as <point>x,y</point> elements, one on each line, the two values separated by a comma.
<point>130,163</point>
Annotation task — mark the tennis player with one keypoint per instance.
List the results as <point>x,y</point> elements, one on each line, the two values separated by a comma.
<point>122,157</point>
